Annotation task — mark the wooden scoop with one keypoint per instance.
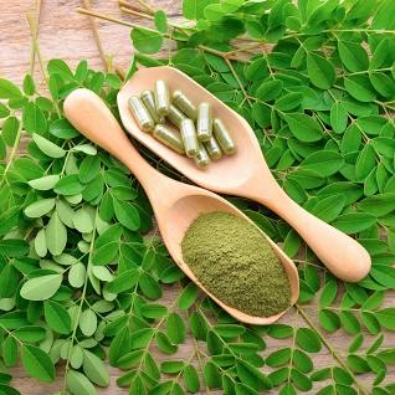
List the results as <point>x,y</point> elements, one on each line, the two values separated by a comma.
<point>175,204</point>
<point>245,174</point>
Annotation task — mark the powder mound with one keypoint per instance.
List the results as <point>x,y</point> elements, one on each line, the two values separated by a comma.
<point>235,262</point>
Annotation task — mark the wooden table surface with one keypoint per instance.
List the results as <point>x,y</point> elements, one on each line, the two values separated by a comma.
<point>68,35</point>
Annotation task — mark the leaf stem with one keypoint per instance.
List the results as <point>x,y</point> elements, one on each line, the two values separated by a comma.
<point>12,155</point>
<point>34,36</point>
<point>96,36</point>
<point>142,3</point>
<point>330,348</point>
<point>82,299</point>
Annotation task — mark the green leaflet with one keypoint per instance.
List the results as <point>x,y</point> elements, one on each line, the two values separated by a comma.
<point>37,363</point>
<point>41,288</point>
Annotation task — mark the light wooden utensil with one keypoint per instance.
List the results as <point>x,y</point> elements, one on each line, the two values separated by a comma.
<point>246,174</point>
<point>175,204</point>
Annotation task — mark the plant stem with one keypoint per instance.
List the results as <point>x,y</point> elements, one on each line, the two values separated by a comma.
<point>96,36</point>
<point>12,155</point>
<point>134,26</point>
<point>32,23</point>
<point>130,11</point>
<point>83,295</point>
<point>34,36</point>
<point>142,3</point>
<point>330,348</point>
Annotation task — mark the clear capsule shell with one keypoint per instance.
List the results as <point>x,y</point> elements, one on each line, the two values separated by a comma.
<point>204,122</point>
<point>213,149</point>
<point>223,137</point>
<point>169,138</point>
<point>147,97</point>
<point>188,135</point>
<point>184,104</point>
<point>202,159</point>
<point>175,116</point>
<point>141,114</point>
<point>162,97</point>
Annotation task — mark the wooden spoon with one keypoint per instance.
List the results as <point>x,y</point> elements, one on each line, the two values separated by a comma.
<point>175,204</point>
<point>245,174</point>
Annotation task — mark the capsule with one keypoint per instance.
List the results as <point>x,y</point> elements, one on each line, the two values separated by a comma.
<point>185,105</point>
<point>147,97</point>
<point>204,122</point>
<point>223,137</point>
<point>188,135</point>
<point>213,149</point>
<point>169,138</point>
<point>202,159</point>
<point>141,114</point>
<point>162,97</point>
<point>175,116</point>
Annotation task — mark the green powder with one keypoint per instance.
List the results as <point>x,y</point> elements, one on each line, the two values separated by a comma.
<point>235,262</point>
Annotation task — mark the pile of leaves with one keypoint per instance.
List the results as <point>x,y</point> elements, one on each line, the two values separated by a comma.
<point>84,278</point>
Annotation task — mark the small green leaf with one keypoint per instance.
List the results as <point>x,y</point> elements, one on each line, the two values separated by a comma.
<point>338,117</point>
<point>95,369</point>
<point>56,235</point>
<point>127,214</point>
<point>8,90</point>
<point>77,383</point>
<point>175,328</point>
<point>304,128</point>
<point>359,88</point>
<point>57,317</point>
<point>188,296</point>
<point>353,56</point>
<point>325,162</point>
<point>69,185</point>
<point>308,340</point>
<point>41,288</point>
<point>194,9</point>
<point>160,21</point>
<point>321,71</point>
<point>146,41</point>
<point>37,363</point>
<point>88,322</point>
<point>58,66</point>
<point>44,183</point>
<point>269,90</point>
<point>39,208</point>
<point>191,379</point>
<point>63,129</point>
<point>329,293</point>
<point>386,318</point>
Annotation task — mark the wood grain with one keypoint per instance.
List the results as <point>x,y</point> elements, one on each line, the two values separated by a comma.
<point>65,34</point>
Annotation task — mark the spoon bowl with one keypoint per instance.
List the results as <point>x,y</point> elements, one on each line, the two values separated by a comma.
<point>176,205</point>
<point>245,174</point>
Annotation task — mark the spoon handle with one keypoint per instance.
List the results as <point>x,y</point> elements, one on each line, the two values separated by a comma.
<point>340,253</point>
<point>88,114</point>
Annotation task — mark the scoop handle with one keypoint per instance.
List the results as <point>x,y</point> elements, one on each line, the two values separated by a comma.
<point>87,112</point>
<point>342,255</point>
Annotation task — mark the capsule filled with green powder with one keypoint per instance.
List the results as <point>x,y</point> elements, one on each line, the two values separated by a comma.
<point>184,104</point>
<point>223,137</point>
<point>169,138</point>
<point>162,97</point>
<point>213,149</point>
<point>204,122</point>
<point>175,116</point>
<point>147,97</point>
<point>141,114</point>
<point>188,135</point>
<point>202,159</point>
